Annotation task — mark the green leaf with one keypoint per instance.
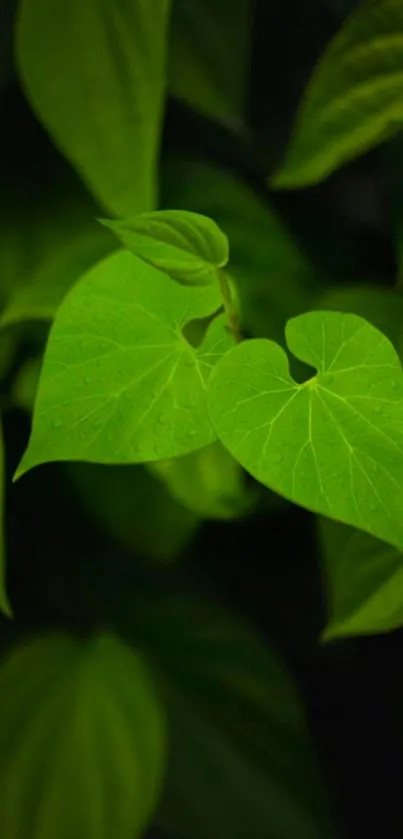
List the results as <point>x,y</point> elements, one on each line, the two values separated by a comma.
<point>120,383</point>
<point>274,279</point>
<point>354,100</point>
<point>135,509</point>
<point>4,602</point>
<point>241,761</point>
<point>209,56</point>
<point>25,384</point>
<point>365,582</point>
<point>187,246</point>
<point>209,482</point>
<point>95,76</point>
<point>81,740</point>
<point>333,444</point>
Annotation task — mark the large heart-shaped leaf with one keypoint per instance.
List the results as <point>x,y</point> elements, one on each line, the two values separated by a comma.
<point>187,246</point>
<point>95,76</point>
<point>355,99</point>
<point>81,740</point>
<point>365,582</point>
<point>120,383</point>
<point>333,444</point>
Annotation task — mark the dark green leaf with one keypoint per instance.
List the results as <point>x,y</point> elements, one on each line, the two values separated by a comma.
<point>334,443</point>
<point>355,98</point>
<point>120,383</point>
<point>209,56</point>
<point>81,741</point>
<point>95,76</point>
<point>187,246</point>
<point>365,582</point>
<point>135,509</point>
<point>241,763</point>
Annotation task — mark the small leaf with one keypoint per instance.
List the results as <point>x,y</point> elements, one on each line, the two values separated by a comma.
<point>4,602</point>
<point>209,482</point>
<point>81,740</point>
<point>135,509</point>
<point>187,246</point>
<point>355,98</point>
<point>209,56</point>
<point>95,76</point>
<point>365,582</point>
<point>119,382</point>
<point>274,279</point>
<point>333,444</point>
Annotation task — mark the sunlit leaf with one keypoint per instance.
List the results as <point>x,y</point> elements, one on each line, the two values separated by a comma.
<point>95,75</point>
<point>187,246</point>
<point>365,582</point>
<point>81,740</point>
<point>334,443</point>
<point>120,383</point>
<point>355,98</point>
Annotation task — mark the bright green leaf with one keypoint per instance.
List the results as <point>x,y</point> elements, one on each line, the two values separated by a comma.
<point>209,56</point>
<point>209,482</point>
<point>95,76</point>
<point>187,246</point>
<point>4,602</point>
<point>355,98</point>
<point>241,762</point>
<point>135,509</point>
<point>81,740</point>
<point>333,444</point>
<point>365,582</point>
<point>120,383</point>
<point>274,279</point>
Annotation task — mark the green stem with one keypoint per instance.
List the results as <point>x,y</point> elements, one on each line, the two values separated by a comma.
<point>230,309</point>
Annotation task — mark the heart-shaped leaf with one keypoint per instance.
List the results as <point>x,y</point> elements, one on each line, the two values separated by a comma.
<point>355,99</point>
<point>81,740</point>
<point>365,582</point>
<point>120,383</point>
<point>333,444</point>
<point>187,246</point>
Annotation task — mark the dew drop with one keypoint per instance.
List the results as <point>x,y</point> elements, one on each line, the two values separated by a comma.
<point>377,409</point>
<point>329,378</point>
<point>57,424</point>
<point>164,418</point>
<point>373,508</point>
<point>278,458</point>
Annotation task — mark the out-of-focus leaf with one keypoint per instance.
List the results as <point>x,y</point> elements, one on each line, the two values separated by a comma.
<point>273,278</point>
<point>4,602</point>
<point>208,482</point>
<point>25,384</point>
<point>241,762</point>
<point>209,56</point>
<point>354,100</point>
<point>135,508</point>
<point>95,75</point>
<point>365,582</point>
<point>383,307</point>
<point>81,740</point>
